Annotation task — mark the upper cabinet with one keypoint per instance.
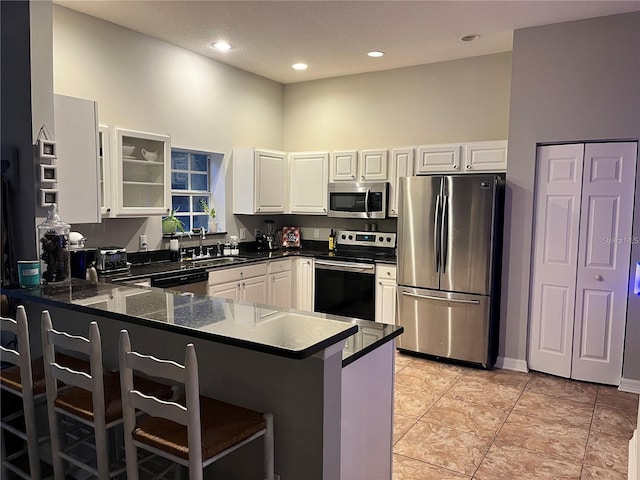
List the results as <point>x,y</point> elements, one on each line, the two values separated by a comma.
<point>260,181</point>
<point>142,166</point>
<point>462,157</point>
<point>438,159</point>
<point>402,165</point>
<point>485,156</point>
<point>309,173</point>
<point>105,175</point>
<point>368,165</point>
<point>76,123</point>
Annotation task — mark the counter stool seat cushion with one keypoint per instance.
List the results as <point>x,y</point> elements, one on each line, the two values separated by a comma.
<point>78,401</point>
<point>223,425</point>
<point>10,377</point>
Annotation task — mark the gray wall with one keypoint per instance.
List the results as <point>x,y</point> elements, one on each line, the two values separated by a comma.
<point>572,81</point>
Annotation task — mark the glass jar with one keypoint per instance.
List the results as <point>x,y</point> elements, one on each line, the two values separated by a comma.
<point>53,247</point>
<point>234,245</point>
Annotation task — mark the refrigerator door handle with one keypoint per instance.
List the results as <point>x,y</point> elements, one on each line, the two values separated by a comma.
<point>442,299</point>
<point>436,235</point>
<point>444,228</point>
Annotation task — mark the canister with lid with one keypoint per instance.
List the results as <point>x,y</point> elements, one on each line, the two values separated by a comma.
<point>53,247</point>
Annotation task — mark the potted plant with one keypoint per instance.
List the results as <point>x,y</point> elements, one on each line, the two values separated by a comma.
<point>211,211</point>
<point>171,223</point>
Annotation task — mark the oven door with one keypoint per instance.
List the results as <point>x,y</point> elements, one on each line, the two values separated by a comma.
<point>345,288</point>
<point>358,200</point>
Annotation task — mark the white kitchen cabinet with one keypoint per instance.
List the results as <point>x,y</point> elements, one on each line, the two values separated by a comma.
<point>343,166</point>
<point>260,181</point>
<point>142,173</point>
<point>280,284</point>
<point>247,283</point>
<point>386,294</point>
<point>402,160</point>
<point>76,165</point>
<point>363,166</point>
<point>443,158</point>
<point>105,171</point>
<point>485,156</point>
<point>582,222</point>
<point>309,172</point>
<point>304,284</point>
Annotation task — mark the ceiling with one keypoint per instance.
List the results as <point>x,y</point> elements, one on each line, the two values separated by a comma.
<point>333,37</point>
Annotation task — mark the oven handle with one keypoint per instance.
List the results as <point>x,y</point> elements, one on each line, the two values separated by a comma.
<point>441,299</point>
<point>346,266</point>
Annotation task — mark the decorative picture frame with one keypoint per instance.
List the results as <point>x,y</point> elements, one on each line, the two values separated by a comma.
<point>48,173</point>
<point>48,196</point>
<point>47,148</point>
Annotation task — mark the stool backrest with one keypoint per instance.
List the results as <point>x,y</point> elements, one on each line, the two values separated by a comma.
<point>21,355</point>
<point>91,347</point>
<point>133,399</point>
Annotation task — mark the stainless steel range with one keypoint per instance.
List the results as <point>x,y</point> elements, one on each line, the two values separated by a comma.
<point>345,279</point>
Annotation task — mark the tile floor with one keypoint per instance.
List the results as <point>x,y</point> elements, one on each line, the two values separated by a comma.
<point>458,423</point>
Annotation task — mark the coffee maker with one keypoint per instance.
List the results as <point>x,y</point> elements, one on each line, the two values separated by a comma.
<point>261,242</point>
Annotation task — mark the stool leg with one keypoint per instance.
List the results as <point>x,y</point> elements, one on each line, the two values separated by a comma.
<point>32,437</point>
<point>268,448</point>
<point>4,472</point>
<point>54,431</point>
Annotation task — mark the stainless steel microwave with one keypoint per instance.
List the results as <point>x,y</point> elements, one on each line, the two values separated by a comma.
<point>358,199</point>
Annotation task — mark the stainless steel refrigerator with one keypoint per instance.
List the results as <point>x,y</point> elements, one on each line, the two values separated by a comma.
<point>449,252</point>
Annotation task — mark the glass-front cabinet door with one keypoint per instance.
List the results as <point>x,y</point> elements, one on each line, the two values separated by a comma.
<point>143,168</point>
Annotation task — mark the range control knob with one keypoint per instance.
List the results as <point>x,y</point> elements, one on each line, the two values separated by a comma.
<point>381,239</point>
<point>344,236</point>
<point>389,239</point>
<point>350,237</point>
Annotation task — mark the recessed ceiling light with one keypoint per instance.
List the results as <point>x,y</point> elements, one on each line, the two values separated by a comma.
<point>470,38</point>
<point>222,46</point>
<point>375,54</point>
<point>299,66</point>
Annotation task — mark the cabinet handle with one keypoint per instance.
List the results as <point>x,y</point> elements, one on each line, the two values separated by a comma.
<point>598,277</point>
<point>380,283</point>
<point>108,210</point>
<point>468,167</point>
<point>389,274</point>
<point>353,176</point>
<point>243,285</point>
<point>455,167</point>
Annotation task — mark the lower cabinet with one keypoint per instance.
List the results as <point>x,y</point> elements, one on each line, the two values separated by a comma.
<point>303,281</point>
<point>386,294</point>
<point>247,283</point>
<point>280,284</point>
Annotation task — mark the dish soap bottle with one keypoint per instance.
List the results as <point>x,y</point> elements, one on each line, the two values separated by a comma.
<point>332,241</point>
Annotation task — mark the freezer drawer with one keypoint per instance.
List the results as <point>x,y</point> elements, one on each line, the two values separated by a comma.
<point>443,324</point>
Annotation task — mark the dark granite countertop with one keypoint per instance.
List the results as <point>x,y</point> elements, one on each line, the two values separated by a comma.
<point>283,332</point>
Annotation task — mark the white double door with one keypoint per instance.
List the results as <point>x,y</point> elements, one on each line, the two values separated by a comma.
<point>582,246</point>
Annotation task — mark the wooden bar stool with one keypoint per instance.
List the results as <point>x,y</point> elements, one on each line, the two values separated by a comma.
<point>93,401</point>
<point>18,380</point>
<point>193,432</point>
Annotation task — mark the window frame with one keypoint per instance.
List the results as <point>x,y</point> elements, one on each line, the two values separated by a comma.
<point>194,210</point>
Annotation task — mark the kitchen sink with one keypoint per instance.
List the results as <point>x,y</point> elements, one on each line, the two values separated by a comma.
<point>216,261</point>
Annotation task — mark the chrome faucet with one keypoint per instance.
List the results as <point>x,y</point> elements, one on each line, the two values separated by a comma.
<point>201,237</point>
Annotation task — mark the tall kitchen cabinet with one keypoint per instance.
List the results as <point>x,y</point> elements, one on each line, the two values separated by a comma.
<point>76,122</point>
<point>582,247</point>
<point>260,181</point>
<point>402,160</point>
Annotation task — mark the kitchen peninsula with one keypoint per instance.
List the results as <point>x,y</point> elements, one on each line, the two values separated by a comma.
<point>328,380</point>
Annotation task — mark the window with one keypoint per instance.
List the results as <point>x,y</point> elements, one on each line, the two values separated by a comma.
<point>191,175</point>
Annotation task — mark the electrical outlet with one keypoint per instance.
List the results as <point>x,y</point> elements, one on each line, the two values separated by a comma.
<point>243,234</point>
<point>316,233</point>
<point>143,242</point>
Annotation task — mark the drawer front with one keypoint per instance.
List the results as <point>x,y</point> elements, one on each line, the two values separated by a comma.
<point>234,274</point>
<point>386,271</point>
<point>277,266</point>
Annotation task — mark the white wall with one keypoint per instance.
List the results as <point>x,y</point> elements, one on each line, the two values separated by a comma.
<point>572,81</point>
<point>459,100</point>
<point>150,85</point>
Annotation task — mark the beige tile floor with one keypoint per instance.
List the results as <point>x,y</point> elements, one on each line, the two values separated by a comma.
<point>457,423</point>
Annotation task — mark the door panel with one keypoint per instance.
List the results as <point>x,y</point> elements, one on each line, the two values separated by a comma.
<point>417,259</point>
<point>603,261</point>
<point>468,226</point>
<point>555,252</point>
<point>444,324</point>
